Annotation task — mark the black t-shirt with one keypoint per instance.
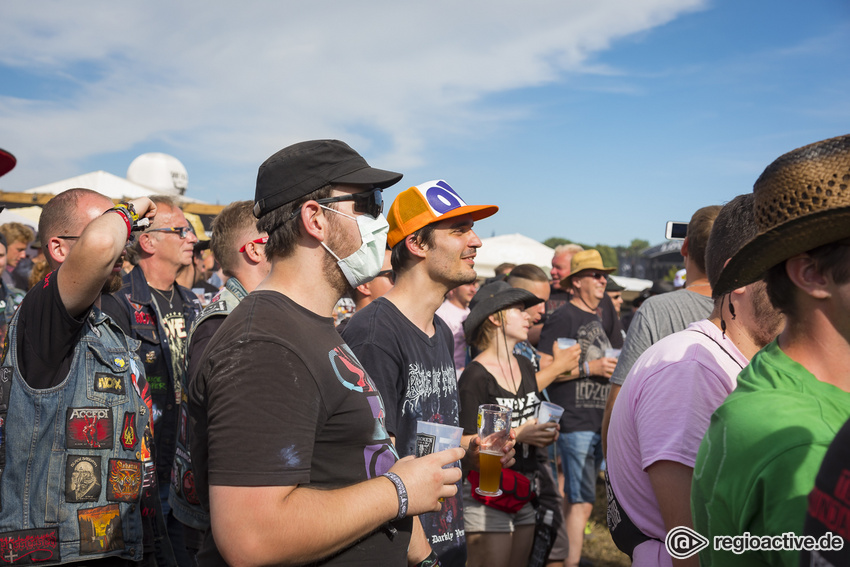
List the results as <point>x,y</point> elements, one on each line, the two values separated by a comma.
<point>583,399</point>
<point>280,400</point>
<point>47,335</point>
<point>614,328</point>
<point>829,503</point>
<point>416,376</point>
<point>477,386</point>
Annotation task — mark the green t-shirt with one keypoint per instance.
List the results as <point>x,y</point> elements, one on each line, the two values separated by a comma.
<point>758,460</point>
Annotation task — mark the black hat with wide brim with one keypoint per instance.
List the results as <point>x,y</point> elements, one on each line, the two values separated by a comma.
<point>802,201</point>
<point>492,298</point>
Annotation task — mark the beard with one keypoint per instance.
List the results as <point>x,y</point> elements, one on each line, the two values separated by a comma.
<point>770,320</point>
<point>112,284</point>
<point>331,271</point>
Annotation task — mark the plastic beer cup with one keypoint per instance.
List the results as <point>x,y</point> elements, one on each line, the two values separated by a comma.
<point>494,427</point>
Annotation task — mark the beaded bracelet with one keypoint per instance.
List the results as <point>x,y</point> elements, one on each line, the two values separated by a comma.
<point>402,494</point>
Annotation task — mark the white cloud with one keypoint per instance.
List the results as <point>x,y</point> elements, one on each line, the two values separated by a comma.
<point>232,82</point>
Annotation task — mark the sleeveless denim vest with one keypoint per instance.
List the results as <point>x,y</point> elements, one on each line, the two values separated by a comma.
<point>73,458</point>
<point>181,496</point>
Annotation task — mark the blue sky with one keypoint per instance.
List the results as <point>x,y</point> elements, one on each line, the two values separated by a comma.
<point>593,121</point>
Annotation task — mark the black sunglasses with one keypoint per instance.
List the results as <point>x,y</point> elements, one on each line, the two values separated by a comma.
<point>368,202</point>
<point>389,274</point>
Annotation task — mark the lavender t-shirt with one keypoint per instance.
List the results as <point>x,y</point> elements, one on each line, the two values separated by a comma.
<point>661,414</point>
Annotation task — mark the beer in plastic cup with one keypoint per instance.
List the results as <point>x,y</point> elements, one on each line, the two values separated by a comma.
<point>549,413</point>
<point>494,428</point>
<point>565,343</point>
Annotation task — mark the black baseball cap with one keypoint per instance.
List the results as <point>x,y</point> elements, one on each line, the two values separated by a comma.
<point>301,168</point>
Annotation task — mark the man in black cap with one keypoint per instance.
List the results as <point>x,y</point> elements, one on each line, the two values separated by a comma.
<point>290,452</point>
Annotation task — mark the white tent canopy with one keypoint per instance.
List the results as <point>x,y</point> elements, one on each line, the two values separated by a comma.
<point>519,249</point>
<point>513,248</point>
<point>112,186</point>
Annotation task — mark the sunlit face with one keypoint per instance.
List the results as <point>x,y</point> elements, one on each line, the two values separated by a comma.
<point>589,285</point>
<point>170,246</point>
<point>464,293</point>
<point>542,291</point>
<point>560,268</point>
<point>451,256</point>
<point>15,252</point>
<point>516,322</point>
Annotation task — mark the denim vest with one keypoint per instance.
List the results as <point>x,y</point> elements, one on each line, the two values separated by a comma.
<point>74,458</point>
<point>181,496</point>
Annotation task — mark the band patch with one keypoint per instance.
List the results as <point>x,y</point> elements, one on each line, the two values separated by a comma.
<point>124,483</point>
<point>150,357</point>
<point>30,547</point>
<point>100,529</point>
<point>129,437</point>
<point>82,478</point>
<point>189,488</point>
<point>109,383</point>
<point>425,444</point>
<point>89,428</point>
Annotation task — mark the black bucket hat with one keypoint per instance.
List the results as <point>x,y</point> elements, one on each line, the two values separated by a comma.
<point>494,297</point>
<point>301,168</point>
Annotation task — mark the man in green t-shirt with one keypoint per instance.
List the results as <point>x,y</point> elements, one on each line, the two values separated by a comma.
<point>759,458</point>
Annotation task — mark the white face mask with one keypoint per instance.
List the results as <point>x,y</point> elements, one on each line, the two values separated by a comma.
<point>364,264</point>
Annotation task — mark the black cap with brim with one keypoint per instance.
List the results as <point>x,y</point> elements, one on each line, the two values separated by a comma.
<point>302,168</point>
<point>492,298</point>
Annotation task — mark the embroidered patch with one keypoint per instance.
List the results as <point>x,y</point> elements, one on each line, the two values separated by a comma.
<point>109,383</point>
<point>143,318</point>
<point>30,547</point>
<point>89,428</point>
<point>124,483</point>
<point>189,488</point>
<point>157,384</point>
<point>128,431</point>
<point>82,478</point>
<point>424,444</point>
<point>150,357</point>
<point>100,529</point>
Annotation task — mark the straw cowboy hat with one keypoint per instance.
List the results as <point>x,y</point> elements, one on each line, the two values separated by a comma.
<point>587,260</point>
<point>802,201</point>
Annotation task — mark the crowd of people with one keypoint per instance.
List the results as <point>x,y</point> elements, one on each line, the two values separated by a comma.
<point>171,399</point>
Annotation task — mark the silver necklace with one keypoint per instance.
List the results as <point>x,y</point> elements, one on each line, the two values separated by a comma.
<point>168,299</point>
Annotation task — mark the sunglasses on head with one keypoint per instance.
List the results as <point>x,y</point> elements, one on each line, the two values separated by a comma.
<point>369,202</point>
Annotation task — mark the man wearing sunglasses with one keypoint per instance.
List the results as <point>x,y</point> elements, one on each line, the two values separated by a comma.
<point>290,452</point>
<point>152,308</point>
<point>582,397</point>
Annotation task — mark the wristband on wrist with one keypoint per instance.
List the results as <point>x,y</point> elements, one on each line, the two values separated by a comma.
<point>586,369</point>
<point>401,491</point>
<point>125,214</point>
<point>430,561</point>
<point>131,210</point>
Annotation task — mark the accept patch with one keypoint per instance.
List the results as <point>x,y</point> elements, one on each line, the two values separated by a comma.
<point>30,547</point>
<point>124,482</point>
<point>89,428</point>
<point>82,478</point>
<point>108,383</point>
<point>100,529</point>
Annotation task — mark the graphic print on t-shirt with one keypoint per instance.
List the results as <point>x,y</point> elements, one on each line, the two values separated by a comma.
<point>175,332</point>
<point>427,387</point>
<point>593,340</point>
<point>380,456</point>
